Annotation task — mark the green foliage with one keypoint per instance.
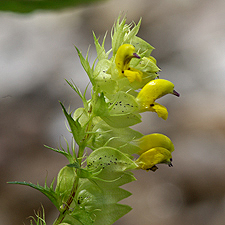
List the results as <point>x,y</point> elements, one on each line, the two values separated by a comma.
<point>77,130</point>
<point>40,218</point>
<point>26,6</point>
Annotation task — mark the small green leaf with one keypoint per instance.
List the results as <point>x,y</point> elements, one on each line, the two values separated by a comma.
<point>76,129</point>
<point>117,34</point>
<point>100,107</point>
<point>141,46</point>
<point>66,154</point>
<point>86,65</point>
<point>48,191</point>
<point>100,49</point>
<point>102,77</point>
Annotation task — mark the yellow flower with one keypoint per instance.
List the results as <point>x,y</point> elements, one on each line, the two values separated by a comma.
<point>155,149</point>
<point>152,91</point>
<point>123,56</point>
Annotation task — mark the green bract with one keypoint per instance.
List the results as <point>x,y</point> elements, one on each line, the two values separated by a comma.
<point>123,86</point>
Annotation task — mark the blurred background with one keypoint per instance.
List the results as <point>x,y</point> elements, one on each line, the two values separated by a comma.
<point>36,55</point>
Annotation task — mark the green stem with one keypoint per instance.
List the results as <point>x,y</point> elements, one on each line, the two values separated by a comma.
<point>81,153</point>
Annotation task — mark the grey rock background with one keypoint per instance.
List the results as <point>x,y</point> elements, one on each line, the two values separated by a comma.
<point>37,54</point>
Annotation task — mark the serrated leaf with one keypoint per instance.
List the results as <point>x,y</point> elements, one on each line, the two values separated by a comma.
<point>85,64</point>
<point>130,35</point>
<point>117,34</point>
<point>66,154</point>
<point>47,191</point>
<point>100,107</point>
<point>103,80</point>
<point>141,46</point>
<point>111,213</point>
<point>102,202</point>
<point>119,138</point>
<point>100,49</point>
<point>78,217</point>
<point>76,129</point>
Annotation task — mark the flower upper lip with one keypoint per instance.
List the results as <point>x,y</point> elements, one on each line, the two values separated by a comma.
<point>136,55</point>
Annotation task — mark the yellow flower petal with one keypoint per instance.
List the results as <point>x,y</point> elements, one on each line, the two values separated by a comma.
<point>133,75</point>
<point>150,158</point>
<point>123,56</point>
<point>153,90</point>
<point>160,110</point>
<point>154,140</point>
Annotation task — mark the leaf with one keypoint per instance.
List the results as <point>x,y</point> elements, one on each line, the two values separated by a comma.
<point>107,158</point>
<point>111,213</point>
<point>26,6</point>
<point>123,103</point>
<point>100,108</point>
<point>103,80</point>
<point>78,217</point>
<point>85,64</point>
<point>100,49</point>
<point>66,154</point>
<point>121,121</point>
<point>117,34</point>
<point>119,138</point>
<point>141,46</point>
<point>76,129</point>
<point>77,90</point>
<point>102,202</point>
<point>47,191</point>
<point>133,32</point>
